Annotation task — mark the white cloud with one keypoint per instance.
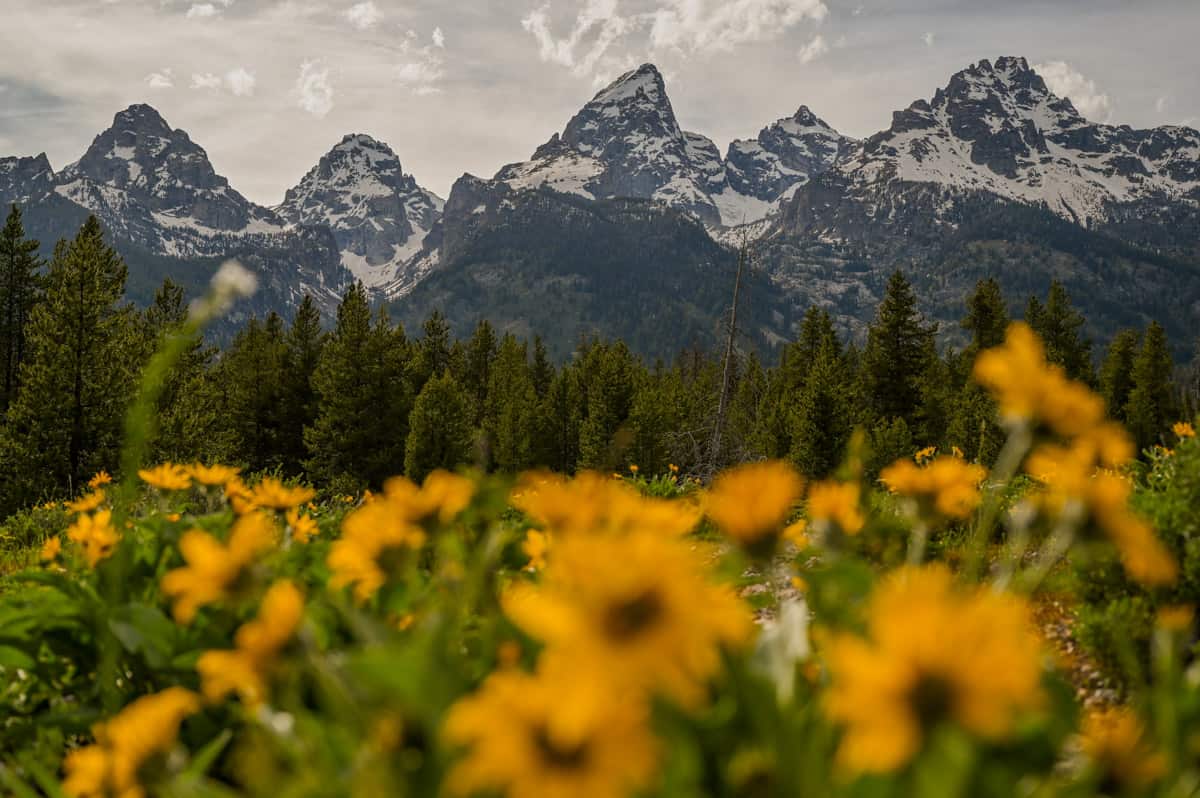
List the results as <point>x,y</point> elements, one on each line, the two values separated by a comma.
<point>206,81</point>
<point>203,11</point>
<point>162,79</point>
<point>813,50</point>
<point>707,25</point>
<point>314,90</point>
<point>424,66</point>
<point>240,82</point>
<point>1066,81</point>
<point>684,26</point>
<point>364,15</point>
<point>418,72</point>
<point>928,37</point>
<point>598,23</point>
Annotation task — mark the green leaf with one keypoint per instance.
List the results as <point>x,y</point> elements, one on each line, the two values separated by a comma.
<point>204,758</point>
<point>144,630</point>
<point>15,658</point>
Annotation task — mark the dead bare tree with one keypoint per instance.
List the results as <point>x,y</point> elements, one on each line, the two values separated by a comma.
<point>745,256</point>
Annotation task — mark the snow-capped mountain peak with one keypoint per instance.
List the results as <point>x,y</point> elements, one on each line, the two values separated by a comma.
<point>626,142</point>
<point>997,128</point>
<point>378,214</point>
<point>785,155</point>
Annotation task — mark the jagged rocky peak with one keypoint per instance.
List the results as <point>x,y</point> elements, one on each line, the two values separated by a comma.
<point>22,178</point>
<point>378,214</point>
<point>626,142</point>
<point>786,154</point>
<point>996,128</point>
<point>159,168</point>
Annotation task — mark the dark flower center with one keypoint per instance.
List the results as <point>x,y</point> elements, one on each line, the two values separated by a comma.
<point>932,698</point>
<point>628,619</point>
<point>555,755</point>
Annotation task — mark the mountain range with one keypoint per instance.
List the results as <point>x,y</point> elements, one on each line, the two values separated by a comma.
<point>624,224</point>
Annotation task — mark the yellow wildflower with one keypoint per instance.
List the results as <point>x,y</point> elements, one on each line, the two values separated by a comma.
<point>796,533</point>
<point>633,469</point>
<point>51,549</point>
<point>535,547</point>
<point>1029,389</point>
<point>836,503</point>
<point>1183,429</point>
<point>639,607</point>
<point>373,537</point>
<point>925,454</point>
<point>167,476</point>
<point>240,497</point>
<point>303,527</point>
<point>591,504</point>
<point>96,536</point>
<point>1115,743</point>
<point>1074,486</point>
<point>674,469</point>
<point>272,494</point>
<point>214,570</point>
<point>933,654</point>
<point>957,452</point>
<point>750,503</point>
<point>100,479</point>
<point>441,497</point>
<point>550,735</point>
<point>85,504</point>
<point>1177,617</point>
<point>1144,556</point>
<point>145,728</point>
<point>948,487</point>
<point>213,474</point>
<point>246,668</point>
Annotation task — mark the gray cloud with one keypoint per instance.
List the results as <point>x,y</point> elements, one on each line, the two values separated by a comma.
<point>478,85</point>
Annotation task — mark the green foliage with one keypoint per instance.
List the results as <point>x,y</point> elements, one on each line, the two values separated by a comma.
<point>1060,327</point>
<point>1151,407</point>
<point>65,424</point>
<point>899,353</point>
<point>364,397</point>
<point>1116,373</point>
<point>20,289</point>
<point>440,429</point>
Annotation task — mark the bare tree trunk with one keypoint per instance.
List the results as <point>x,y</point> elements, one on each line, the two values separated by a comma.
<point>727,366</point>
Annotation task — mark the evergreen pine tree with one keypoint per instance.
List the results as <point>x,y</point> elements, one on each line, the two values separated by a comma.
<point>987,316</point>
<point>1151,407</point>
<point>440,429</point>
<point>433,350</point>
<point>821,422</point>
<point>250,377</point>
<point>559,421</point>
<point>608,389</point>
<point>1116,373</point>
<point>816,334</point>
<point>189,415</point>
<point>900,350</point>
<point>511,409</point>
<point>541,371</point>
<point>77,377</point>
<point>1061,329</point>
<point>478,356</point>
<point>361,424</point>
<point>302,352</point>
<point>20,287</point>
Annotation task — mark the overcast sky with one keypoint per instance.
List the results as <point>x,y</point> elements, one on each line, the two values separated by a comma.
<point>267,86</point>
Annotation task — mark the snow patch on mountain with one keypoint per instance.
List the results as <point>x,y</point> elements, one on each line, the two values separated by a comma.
<point>378,214</point>
<point>997,128</point>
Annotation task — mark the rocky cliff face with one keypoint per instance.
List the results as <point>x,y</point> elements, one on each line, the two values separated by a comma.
<point>378,214</point>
